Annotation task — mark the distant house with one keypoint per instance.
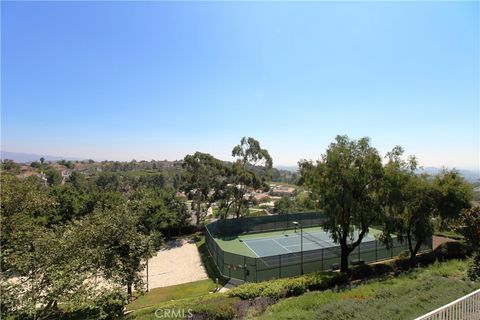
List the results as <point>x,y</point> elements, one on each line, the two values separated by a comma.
<point>280,191</point>
<point>260,196</point>
<point>43,176</point>
<point>65,175</point>
<point>181,195</point>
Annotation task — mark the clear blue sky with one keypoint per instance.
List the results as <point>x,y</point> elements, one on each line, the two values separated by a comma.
<point>152,80</point>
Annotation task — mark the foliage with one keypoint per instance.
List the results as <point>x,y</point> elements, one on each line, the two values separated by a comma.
<point>249,155</point>
<point>469,226</point>
<point>451,250</point>
<point>52,269</point>
<point>203,177</point>
<point>10,166</point>
<point>404,297</point>
<point>474,268</point>
<point>221,308</point>
<point>53,177</point>
<point>282,288</point>
<point>118,248</point>
<point>347,180</point>
<point>301,202</point>
<point>409,202</point>
<point>453,194</point>
<point>110,304</point>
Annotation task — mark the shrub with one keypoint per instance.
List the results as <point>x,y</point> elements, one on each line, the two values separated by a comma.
<point>451,250</point>
<point>282,288</point>
<point>110,305</point>
<point>401,263</point>
<point>252,307</point>
<point>426,258</point>
<point>381,269</point>
<point>221,308</point>
<point>474,269</point>
<point>361,271</point>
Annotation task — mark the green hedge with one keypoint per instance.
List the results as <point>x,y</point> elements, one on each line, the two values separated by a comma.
<point>367,271</point>
<point>452,250</point>
<point>282,288</point>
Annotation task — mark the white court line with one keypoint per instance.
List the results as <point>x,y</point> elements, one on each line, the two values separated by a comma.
<point>281,245</point>
<point>251,249</point>
<point>272,238</point>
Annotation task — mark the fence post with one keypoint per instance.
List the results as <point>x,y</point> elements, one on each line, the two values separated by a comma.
<point>359,251</point>
<point>244,268</point>
<point>322,259</point>
<point>376,250</point>
<point>279,265</point>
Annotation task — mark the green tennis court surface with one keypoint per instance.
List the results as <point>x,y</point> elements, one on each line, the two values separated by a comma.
<point>291,243</point>
<point>269,245</point>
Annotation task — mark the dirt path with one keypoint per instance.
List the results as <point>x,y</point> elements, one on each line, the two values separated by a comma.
<point>178,262</point>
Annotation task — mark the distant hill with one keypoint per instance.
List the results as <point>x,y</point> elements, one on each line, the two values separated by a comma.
<point>469,175</point>
<point>30,157</point>
<point>287,168</point>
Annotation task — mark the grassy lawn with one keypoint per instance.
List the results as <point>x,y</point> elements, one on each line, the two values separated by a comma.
<point>404,297</point>
<point>180,291</point>
<point>186,290</point>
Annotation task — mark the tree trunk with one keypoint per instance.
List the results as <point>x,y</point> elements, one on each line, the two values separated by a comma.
<point>413,250</point>
<point>344,260</point>
<point>129,290</point>
<point>197,214</point>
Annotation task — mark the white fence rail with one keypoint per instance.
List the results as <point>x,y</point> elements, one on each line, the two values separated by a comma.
<point>465,308</point>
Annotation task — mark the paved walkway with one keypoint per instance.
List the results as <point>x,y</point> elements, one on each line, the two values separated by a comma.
<point>232,283</point>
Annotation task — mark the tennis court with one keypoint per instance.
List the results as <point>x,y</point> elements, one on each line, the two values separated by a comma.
<point>292,244</point>
<point>262,248</point>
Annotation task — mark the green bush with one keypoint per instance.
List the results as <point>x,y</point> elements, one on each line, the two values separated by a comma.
<point>426,258</point>
<point>361,271</point>
<point>282,288</point>
<point>110,305</point>
<point>221,308</point>
<point>451,250</point>
<point>401,263</point>
<point>381,269</point>
<point>474,268</point>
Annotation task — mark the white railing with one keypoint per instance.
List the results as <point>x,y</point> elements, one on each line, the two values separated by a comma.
<point>465,308</point>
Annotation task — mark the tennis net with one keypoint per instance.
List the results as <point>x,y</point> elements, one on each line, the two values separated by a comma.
<point>316,239</point>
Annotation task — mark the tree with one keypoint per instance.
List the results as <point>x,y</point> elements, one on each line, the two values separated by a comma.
<point>408,201</point>
<point>347,180</point>
<point>284,205</point>
<point>42,160</point>
<point>453,195</point>
<point>72,203</point>
<point>52,270</point>
<point>469,226</point>
<point>249,155</point>
<point>10,166</point>
<point>53,177</point>
<point>416,219</point>
<point>119,249</point>
<point>35,164</point>
<point>202,179</point>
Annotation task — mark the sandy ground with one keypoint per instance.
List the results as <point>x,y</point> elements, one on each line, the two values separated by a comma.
<point>178,262</point>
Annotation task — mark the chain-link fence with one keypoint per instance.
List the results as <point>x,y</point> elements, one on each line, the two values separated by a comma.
<point>257,269</point>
